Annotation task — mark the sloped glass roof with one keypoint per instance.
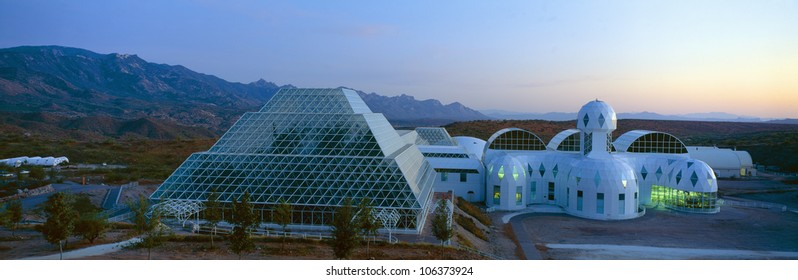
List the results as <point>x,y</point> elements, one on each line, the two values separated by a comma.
<point>434,136</point>
<point>312,148</point>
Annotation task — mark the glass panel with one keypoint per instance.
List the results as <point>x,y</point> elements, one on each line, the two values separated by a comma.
<point>496,195</point>
<point>600,203</point>
<point>621,204</point>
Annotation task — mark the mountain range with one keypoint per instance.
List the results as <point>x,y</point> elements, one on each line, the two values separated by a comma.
<point>64,91</point>
<point>560,116</point>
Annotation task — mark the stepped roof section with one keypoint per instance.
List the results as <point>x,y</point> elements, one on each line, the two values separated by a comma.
<point>311,148</point>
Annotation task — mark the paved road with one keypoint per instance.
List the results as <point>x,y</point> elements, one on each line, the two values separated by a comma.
<point>89,251</point>
<point>29,203</point>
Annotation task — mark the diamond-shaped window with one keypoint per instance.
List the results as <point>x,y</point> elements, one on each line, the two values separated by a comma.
<point>585,120</point>
<point>694,178</point>
<point>501,173</point>
<point>529,169</point>
<point>555,171</point>
<point>542,170</point>
<point>644,172</point>
<point>659,173</point>
<point>678,177</point>
<point>515,174</point>
<point>601,120</point>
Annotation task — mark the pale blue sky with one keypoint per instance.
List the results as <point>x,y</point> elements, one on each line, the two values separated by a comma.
<point>671,57</point>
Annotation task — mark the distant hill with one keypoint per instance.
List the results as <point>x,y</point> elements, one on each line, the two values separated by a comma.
<point>559,116</point>
<point>785,121</point>
<point>685,130</point>
<point>405,110</point>
<point>97,127</point>
<point>71,84</point>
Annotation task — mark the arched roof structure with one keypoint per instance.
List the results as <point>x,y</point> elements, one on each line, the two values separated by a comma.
<point>646,141</point>
<point>566,141</point>
<point>514,139</point>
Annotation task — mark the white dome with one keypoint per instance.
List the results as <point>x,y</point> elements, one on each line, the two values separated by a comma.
<point>606,175</point>
<point>471,144</point>
<point>692,175</point>
<point>506,168</point>
<point>596,115</point>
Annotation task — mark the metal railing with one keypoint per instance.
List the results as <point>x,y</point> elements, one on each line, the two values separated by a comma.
<point>755,204</point>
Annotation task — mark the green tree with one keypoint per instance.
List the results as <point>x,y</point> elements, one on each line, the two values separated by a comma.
<point>12,215</point>
<point>282,216</point>
<point>367,223</point>
<point>37,172</point>
<point>441,228</point>
<point>91,226</point>
<point>244,222</point>
<point>344,231</point>
<point>155,234</point>
<point>150,225</point>
<point>213,211</point>
<point>82,203</point>
<point>60,220</point>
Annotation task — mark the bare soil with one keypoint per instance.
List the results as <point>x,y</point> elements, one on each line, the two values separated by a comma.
<point>28,242</point>
<point>293,249</point>
<point>734,228</point>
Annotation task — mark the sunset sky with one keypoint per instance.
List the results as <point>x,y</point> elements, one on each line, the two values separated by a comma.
<point>669,57</point>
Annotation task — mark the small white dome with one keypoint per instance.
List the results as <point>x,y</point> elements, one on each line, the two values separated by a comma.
<point>506,168</point>
<point>596,115</point>
<point>605,175</point>
<point>471,144</point>
<point>692,175</point>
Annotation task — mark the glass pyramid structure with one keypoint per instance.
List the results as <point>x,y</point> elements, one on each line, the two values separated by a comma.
<point>312,148</point>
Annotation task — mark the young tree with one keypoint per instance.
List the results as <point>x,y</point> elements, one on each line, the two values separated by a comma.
<point>139,210</point>
<point>156,231</point>
<point>244,222</point>
<point>91,226</point>
<point>82,204</point>
<point>37,172</point>
<point>282,216</point>
<point>12,215</point>
<point>149,226</point>
<point>60,220</point>
<point>366,221</point>
<point>344,231</point>
<point>441,228</point>
<point>213,212</point>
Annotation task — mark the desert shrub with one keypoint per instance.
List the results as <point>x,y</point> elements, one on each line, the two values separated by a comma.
<point>119,225</point>
<point>474,211</point>
<point>463,241</point>
<point>469,225</point>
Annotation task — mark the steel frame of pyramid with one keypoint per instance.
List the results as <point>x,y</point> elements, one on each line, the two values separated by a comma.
<point>312,148</point>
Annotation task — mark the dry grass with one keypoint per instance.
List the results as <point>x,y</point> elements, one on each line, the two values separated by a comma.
<point>474,211</point>
<point>468,224</point>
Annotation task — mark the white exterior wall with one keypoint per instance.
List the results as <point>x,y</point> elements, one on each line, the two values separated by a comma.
<point>474,183</point>
<point>508,184</point>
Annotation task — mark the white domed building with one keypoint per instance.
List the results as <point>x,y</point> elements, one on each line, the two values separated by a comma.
<point>583,170</point>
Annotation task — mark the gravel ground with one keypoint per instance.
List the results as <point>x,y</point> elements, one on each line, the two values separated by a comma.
<point>711,236</point>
